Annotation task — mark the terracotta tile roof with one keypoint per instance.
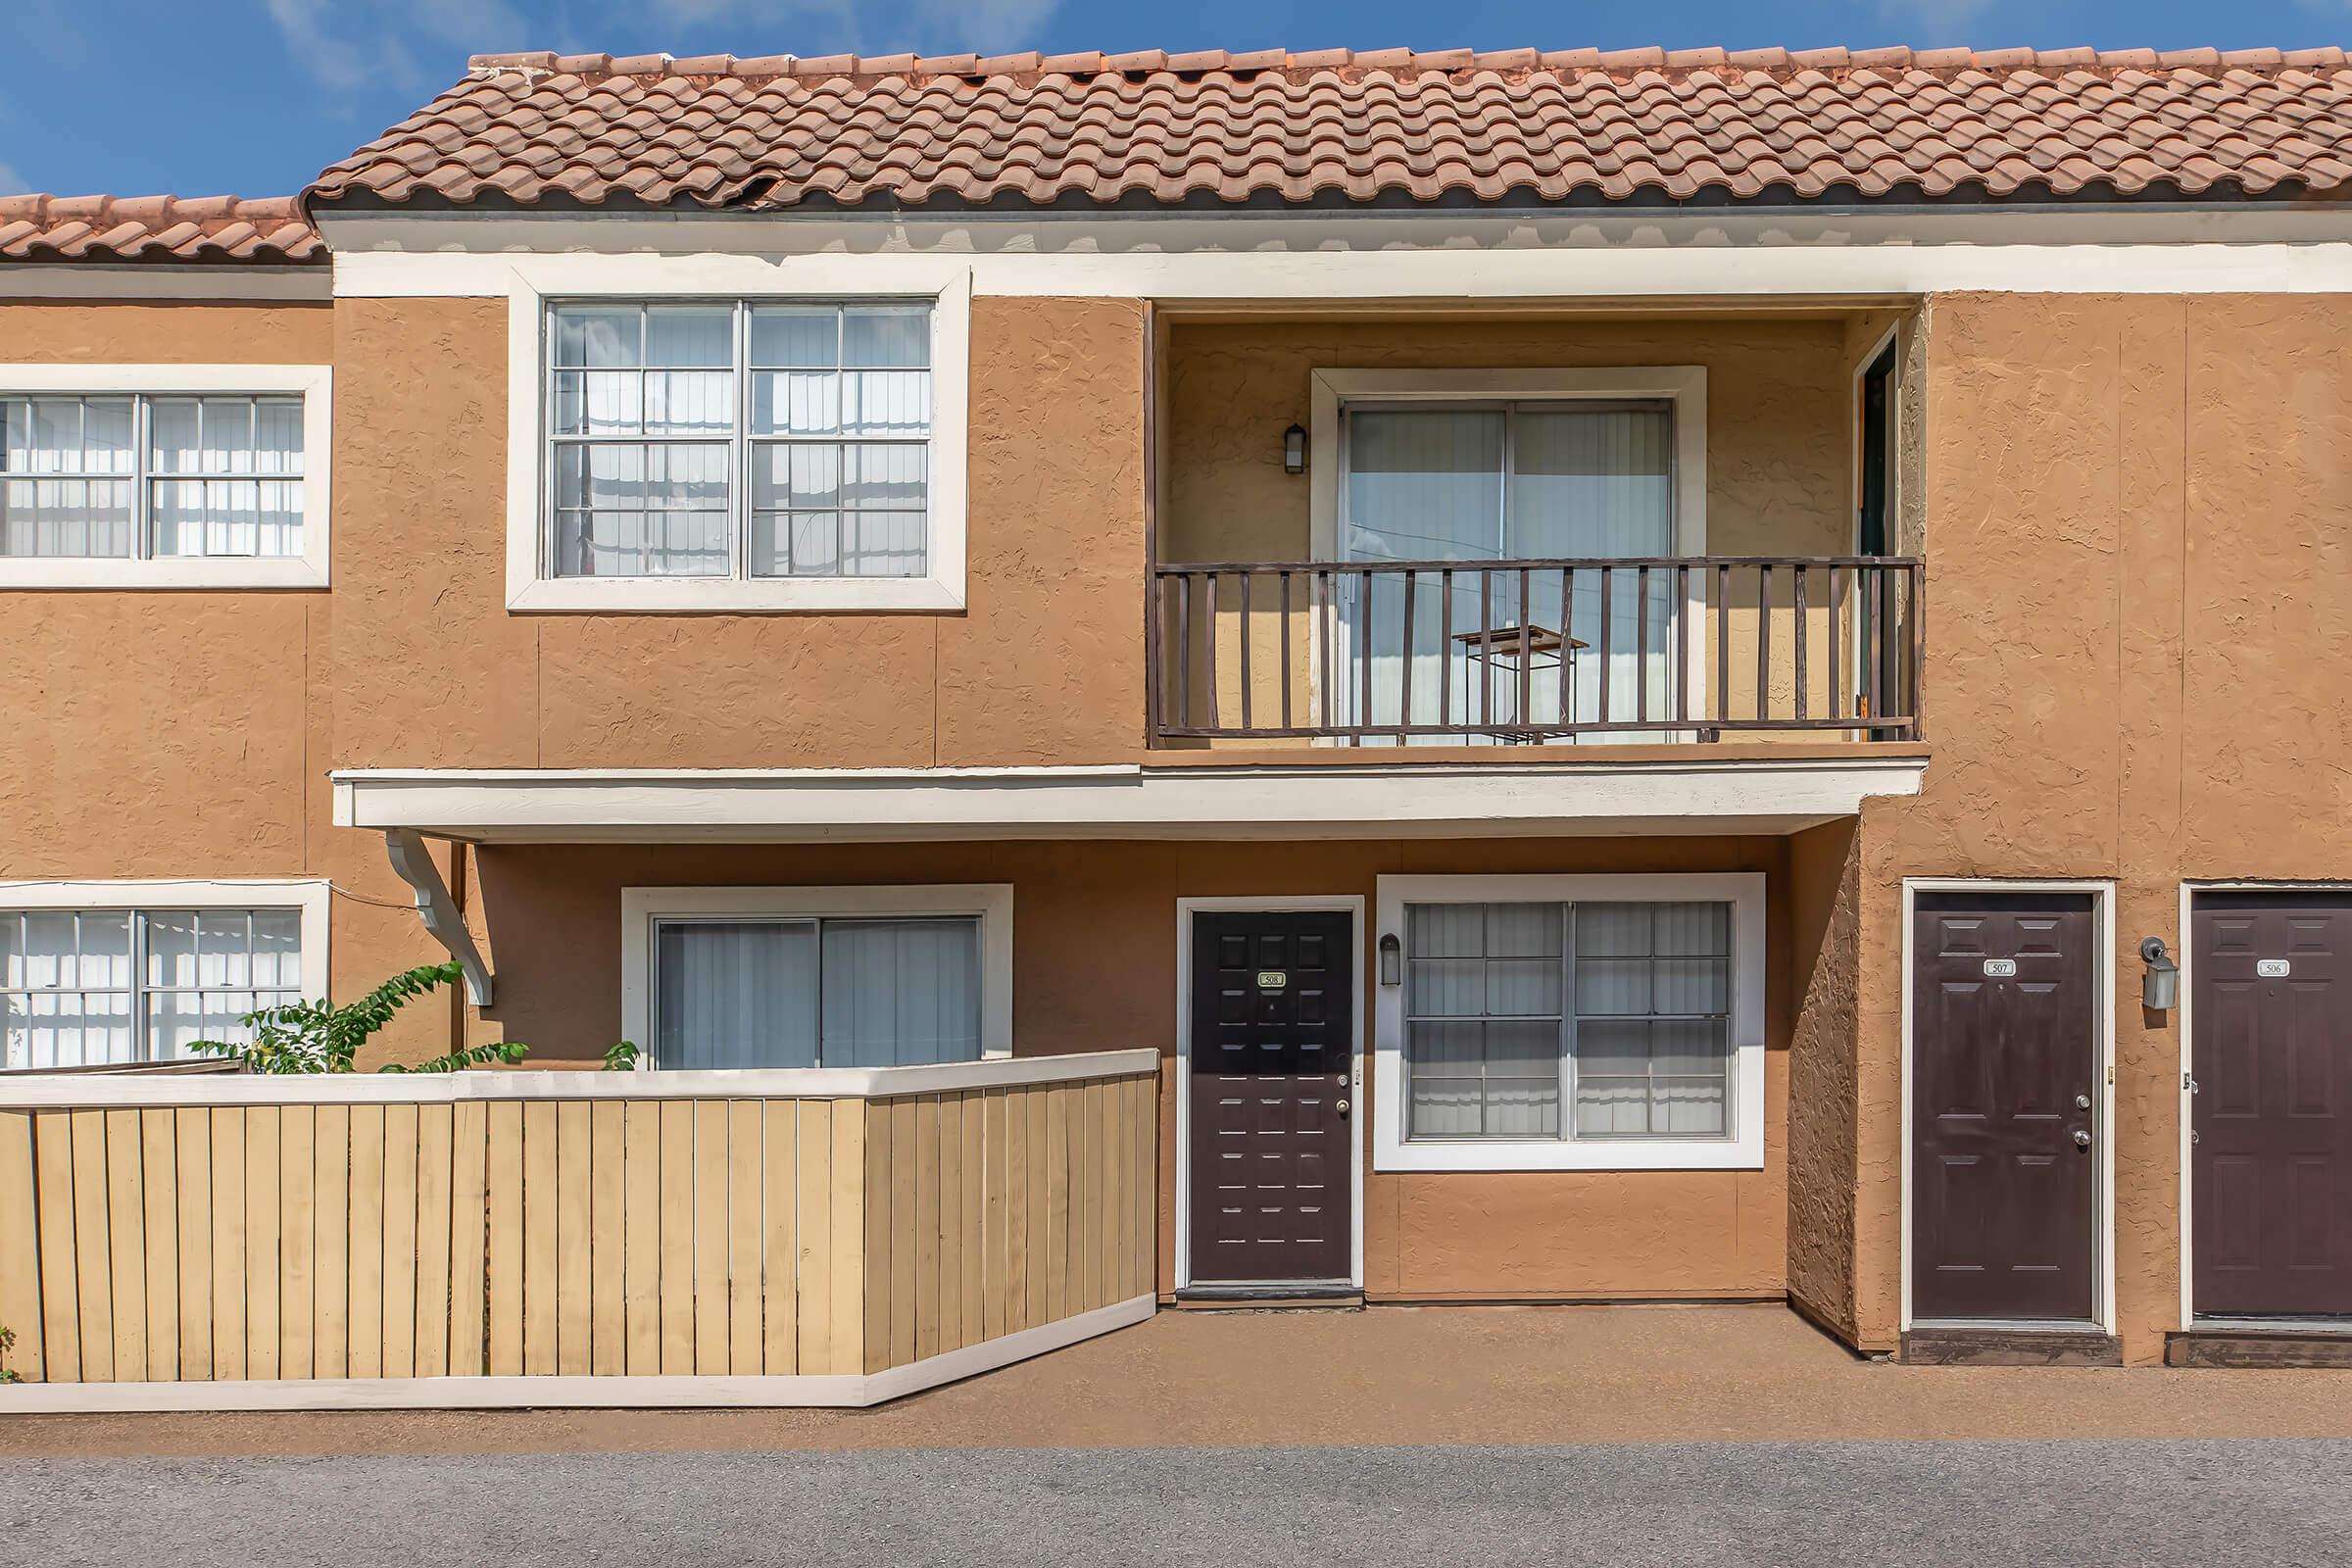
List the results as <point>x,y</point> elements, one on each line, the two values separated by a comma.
<point>155,229</point>
<point>1341,127</point>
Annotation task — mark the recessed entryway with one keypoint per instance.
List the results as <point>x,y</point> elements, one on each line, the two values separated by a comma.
<point>1267,1156</point>
<point>2271,1106</point>
<point>2006,1099</point>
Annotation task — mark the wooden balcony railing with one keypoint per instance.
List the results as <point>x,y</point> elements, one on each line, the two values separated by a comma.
<point>1663,648</point>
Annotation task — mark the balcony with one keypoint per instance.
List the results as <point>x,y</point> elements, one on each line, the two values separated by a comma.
<point>1665,650</point>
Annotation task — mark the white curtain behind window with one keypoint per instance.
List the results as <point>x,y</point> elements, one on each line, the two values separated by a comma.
<point>898,993</point>
<point>735,994</point>
<point>803,993</point>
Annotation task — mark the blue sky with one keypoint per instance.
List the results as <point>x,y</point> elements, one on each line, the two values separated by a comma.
<point>194,97</point>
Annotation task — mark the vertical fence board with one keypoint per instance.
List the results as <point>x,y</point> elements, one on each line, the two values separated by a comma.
<point>91,1277</point>
<point>228,1242</point>
<point>1146,1280</point>
<point>503,1178</point>
<point>297,1180</point>
<point>330,1242</point>
<point>126,1243</point>
<point>1057,1204</point>
<point>874,1260</point>
<point>710,1214</point>
<point>747,1197</point>
<point>779,1241</point>
<point>641,1236</point>
<point>905,1299</point>
<point>949,1156</point>
<point>19,1245</point>
<point>159,1192</point>
<point>1112,1173</point>
<point>925,1236</point>
<point>539,1186</point>
<point>365,1328</point>
<point>436,1131</point>
<point>193,1141</point>
<point>970,1161</point>
<point>608,1273</point>
<point>575,1177</point>
<point>676,1219</point>
<point>261,1260</point>
<point>992,1219</point>
<point>850,1195</point>
<point>1086,1196</point>
<point>469,1238</point>
<point>400,1240</point>
<point>1021,1161</point>
<point>61,1304</point>
<point>813,1239</point>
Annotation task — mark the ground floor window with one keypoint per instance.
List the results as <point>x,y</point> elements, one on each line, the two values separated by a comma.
<point>1573,1022</point>
<point>843,977</point>
<point>87,983</point>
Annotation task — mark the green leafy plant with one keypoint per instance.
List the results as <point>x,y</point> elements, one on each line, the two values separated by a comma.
<point>621,1056</point>
<point>305,1037</point>
<point>8,1343</point>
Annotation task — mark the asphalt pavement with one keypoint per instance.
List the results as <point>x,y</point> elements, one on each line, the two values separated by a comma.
<point>2270,1502</point>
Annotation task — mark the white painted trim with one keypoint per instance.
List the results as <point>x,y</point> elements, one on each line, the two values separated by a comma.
<point>1453,254</point>
<point>1745,891</point>
<point>1395,800</point>
<point>809,1391</point>
<point>1350,905</point>
<point>313,383</point>
<point>41,1091</point>
<point>2182,948</point>
<point>2102,893</point>
<point>151,280</point>
<point>991,901</point>
<point>309,895</point>
<point>531,282</point>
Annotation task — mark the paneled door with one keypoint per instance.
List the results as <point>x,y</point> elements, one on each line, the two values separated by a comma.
<point>2270,1012</point>
<point>1273,1005</point>
<point>2004,1082</point>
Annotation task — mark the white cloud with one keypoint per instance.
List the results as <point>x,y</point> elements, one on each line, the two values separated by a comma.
<point>345,44</point>
<point>12,184</point>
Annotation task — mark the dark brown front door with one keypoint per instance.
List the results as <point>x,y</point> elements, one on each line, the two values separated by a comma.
<point>2272,1059</point>
<point>1272,1006</point>
<point>2004,1061</point>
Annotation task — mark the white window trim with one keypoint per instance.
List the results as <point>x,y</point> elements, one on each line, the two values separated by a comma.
<point>990,902</point>
<point>313,383</point>
<point>310,895</point>
<point>534,284</point>
<point>1743,891</point>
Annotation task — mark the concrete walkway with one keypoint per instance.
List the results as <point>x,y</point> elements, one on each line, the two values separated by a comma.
<point>1389,1376</point>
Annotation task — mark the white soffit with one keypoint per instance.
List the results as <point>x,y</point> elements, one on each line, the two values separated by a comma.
<point>1427,800</point>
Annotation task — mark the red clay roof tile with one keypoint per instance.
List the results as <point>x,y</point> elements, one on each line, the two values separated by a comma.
<point>155,229</point>
<point>1364,125</point>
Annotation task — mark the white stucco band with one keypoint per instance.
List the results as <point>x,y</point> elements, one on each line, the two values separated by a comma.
<point>1499,799</point>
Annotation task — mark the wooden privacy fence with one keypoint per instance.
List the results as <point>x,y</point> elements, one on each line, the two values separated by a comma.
<point>791,1237</point>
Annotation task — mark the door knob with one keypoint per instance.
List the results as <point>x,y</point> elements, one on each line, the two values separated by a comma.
<point>2081,1139</point>
<point>1343,1107</point>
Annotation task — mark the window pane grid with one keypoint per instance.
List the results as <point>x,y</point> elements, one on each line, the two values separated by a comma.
<point>809,427</point>
<point>87,987</point>
<point>148,477</point>
<point>1629,1003</point>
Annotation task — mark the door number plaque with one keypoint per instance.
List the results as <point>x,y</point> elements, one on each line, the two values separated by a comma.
<point>2271,968</point>
<point>1273,980</point>
<point>2001,968</point>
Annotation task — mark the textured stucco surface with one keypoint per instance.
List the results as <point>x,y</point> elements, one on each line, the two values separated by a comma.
<point>1095,969</point>
<point>2140,522</point>
<point>1825,867</point>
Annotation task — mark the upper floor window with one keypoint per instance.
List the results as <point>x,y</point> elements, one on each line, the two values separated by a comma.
<point>163,477</point>
<point>739,440</point>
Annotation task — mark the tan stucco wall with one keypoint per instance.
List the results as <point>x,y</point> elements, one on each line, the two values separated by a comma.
<point>1095,969</point>
<point>1824,966</point>
<point>2139,515</point>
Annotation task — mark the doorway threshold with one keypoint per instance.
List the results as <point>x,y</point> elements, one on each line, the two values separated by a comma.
<point>2007,1342</point>
<point>1282,1295</point>
<point>2243,1342</point>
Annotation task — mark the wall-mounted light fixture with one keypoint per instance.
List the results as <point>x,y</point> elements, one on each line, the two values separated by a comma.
<point>1293,450</point>
<point>1392,960</point>
<point>2159,986</point>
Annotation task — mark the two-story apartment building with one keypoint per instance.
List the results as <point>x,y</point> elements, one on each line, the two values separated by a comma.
<point>1611,657</point>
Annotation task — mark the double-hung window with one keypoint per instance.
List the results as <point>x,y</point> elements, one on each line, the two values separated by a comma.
<point>1592,1017</point>
<point>739,440</point>
<point>84,986</point>
<point>163,475</point>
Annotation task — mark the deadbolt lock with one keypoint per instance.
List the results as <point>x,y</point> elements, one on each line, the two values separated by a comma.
<point>2082,1101</point>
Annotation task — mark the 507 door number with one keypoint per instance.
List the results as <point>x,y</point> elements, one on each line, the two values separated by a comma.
<point>2001,968</point>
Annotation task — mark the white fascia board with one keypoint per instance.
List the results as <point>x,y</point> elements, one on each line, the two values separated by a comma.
<point>155,280</point>
<point>1320,802</point>
<point>1383,255</point>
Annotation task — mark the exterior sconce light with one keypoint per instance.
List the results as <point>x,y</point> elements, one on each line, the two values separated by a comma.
<point>1293,450</point>
<point>1392,960</point>
<point>2159,986</point>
